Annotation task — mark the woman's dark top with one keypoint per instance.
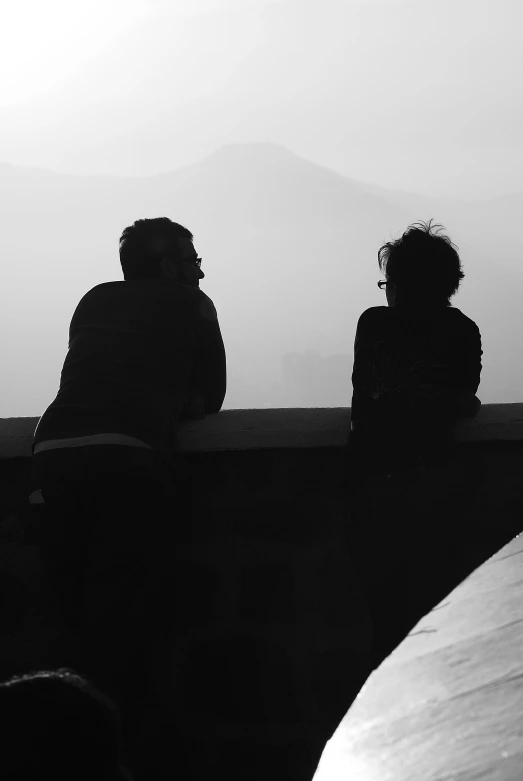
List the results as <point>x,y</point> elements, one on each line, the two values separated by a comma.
<point>410,366</point>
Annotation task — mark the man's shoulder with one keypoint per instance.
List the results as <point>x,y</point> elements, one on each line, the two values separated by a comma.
<point>97,294</point>
<point>148,288</point>
<point>115,290</point>
<point>163,303</point>
<point>105,287</point>
<point>373,313</point>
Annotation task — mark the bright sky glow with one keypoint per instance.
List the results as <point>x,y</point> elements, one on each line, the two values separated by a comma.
<point>422,96</point>
<point>413,94</point>
<point>44,42</point>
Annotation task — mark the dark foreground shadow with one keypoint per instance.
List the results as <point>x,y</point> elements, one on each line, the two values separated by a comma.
<point>273,643</point>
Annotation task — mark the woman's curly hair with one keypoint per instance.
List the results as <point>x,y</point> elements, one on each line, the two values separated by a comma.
<point>424,262</point>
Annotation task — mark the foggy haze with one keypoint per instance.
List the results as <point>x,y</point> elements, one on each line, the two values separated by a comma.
<point>422,95</point>
<point>290,255</point>
<point>290,137</point>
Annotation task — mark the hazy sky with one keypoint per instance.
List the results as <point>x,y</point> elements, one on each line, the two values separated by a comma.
<point>423,95</point>
<point>37,37</point>
<point>416,95</point>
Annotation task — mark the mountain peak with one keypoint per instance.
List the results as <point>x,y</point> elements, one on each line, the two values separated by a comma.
<point>260,150</point>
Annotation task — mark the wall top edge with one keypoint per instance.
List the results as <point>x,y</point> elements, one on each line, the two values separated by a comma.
<point>254,429</point>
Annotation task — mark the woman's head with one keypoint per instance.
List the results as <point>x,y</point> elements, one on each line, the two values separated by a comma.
<point>57,724</point>
<point>422,266</point>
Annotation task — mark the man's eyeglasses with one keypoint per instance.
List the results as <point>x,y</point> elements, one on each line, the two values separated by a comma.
<point>192,259</point>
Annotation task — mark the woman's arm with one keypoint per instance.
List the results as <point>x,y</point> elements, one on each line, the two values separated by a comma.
<point>468,373</point>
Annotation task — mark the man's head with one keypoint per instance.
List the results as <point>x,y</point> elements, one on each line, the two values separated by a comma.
<point>422,267</point>
<point>159,249</point>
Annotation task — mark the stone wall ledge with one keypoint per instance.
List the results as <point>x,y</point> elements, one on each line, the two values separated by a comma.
<point>254,429</point>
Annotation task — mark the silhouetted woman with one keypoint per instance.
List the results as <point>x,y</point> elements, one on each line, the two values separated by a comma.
<point>417,362</point>
<point>417,365</point>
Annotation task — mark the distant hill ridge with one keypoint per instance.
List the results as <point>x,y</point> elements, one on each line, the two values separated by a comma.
<point>258,155</point>
<point>290,257</point>
<point>255,153</point>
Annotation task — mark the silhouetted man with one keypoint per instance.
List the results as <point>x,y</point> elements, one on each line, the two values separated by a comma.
<point>143,354</point>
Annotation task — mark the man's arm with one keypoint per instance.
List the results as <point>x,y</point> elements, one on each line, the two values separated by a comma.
<point>468,404</point>
<point>210,371</point>
<point>359,401</point>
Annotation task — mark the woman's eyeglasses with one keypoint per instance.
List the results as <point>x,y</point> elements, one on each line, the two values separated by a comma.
<point>382,283</point>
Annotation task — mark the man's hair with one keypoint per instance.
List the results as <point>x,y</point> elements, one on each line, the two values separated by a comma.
<point>145,242</point>
<point>424,262</point>
<point>57,724</point>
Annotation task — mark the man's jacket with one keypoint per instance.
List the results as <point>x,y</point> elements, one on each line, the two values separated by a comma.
<point>138,350</point>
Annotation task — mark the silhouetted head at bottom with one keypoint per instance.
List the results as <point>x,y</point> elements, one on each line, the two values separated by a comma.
<point>58,725</point>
